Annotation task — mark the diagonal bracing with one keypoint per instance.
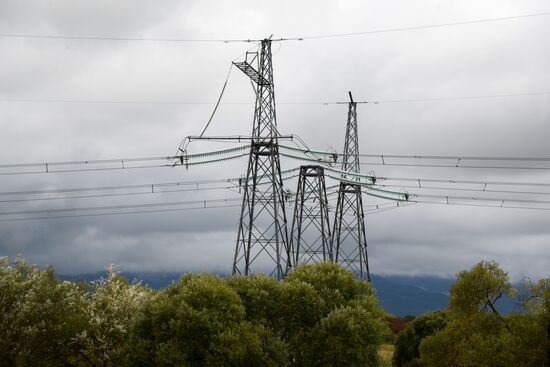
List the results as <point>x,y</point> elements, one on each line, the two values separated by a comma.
<point>310,234</point>
<point>349,241</point>
<point>262,240</point>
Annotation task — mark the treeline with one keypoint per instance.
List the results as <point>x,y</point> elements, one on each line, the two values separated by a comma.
<point>320,315</point>
<point>471,332</point>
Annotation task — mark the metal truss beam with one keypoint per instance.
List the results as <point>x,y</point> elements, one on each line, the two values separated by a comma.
<point>349,240</point>
<point>262,239</point>
<point>310,235</point>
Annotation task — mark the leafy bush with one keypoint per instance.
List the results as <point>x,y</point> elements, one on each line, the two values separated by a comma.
<point>408,341</point>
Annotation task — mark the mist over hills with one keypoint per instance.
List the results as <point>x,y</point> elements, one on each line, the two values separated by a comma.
<point>399,295</point>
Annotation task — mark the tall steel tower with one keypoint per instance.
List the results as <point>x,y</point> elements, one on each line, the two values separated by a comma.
<point>349,239</point>
<point>262,240</point>
<point>310,235</point>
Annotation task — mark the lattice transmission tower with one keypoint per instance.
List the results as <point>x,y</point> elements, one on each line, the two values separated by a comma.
<point>262,240</point>
<point>310,235</point>
<point>349,240</point>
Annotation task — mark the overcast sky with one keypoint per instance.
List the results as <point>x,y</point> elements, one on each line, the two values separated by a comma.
<point>482,59</point>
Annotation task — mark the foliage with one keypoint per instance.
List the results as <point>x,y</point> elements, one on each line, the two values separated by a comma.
<point>409,318</point>
<point>537,302</point>
<point>408,341</point>
<point>478,289</point>
<point>385,354</point>
<point>348,336</point>
<point>110,309</point>
<point>320,315</point>
<point>484,342</point>
<point>200,321</point>
<point>323,298</point>
<point>256,320</point>
<point>396,323</point>
<point>476,334</point>
<point>538,298</point>
<point>260,296</point>
<point>333,284</point>
<point>40,315</point>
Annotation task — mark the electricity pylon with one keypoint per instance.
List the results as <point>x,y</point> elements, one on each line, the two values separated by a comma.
<point>262,240</point>
<point>310,234</point>
<point>349,240</point>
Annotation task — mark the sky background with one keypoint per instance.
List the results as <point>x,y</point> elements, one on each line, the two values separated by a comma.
<point>52,94</point>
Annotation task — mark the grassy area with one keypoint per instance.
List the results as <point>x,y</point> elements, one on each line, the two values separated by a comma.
<point>386,354</point>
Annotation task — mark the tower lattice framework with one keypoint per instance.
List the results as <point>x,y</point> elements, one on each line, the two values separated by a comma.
<point>262,240</point>
<point>349,240</point>
<point>310,235</point>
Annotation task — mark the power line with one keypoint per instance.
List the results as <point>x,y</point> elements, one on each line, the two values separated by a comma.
<point>480,205</point>
<point>122,162</point>
<point>86,162</point>
<point>457,98</point>
<point>455,166</point>
<point>466,189</point>
<point>393,206</point>
<point>97,101</point>
<point>149,192</point>
<point>84,170</point>
<point>470,198</point>
<point>331,161</point>
<point>218,101</point>
<point>379,209</point>
<point>151,189</point>
<point>121,213</point>
<point>436,99</point>
<point>151,186</point>
<point>127,39</point>
<point>176,103</point>
<point>457,158</point>
<point>115,207</point>
<point>293,38</point>
<point>475,182</point>
<point>418,27</point>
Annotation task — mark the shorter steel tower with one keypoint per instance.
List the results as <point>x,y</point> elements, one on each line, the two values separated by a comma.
<point>310,235</point>
<point>349,240</point>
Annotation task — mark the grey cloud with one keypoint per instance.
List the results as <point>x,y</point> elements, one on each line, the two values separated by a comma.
<point>481,59</point>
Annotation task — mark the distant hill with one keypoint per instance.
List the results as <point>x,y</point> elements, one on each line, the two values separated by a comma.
<point>427,283</point>
<point>399,295</point>
<point>434,285</point>
<point>403,299</point>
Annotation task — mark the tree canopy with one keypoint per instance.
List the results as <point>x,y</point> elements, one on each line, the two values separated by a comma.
<point>320,315</point>
<point>476,333</point>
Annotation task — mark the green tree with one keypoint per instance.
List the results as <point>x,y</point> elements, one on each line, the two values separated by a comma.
<point>301,309</point>
<point>110,310</point>
<point>247,345</point>
<point>335,285</point>
<point>261,296</point>
<point>408,341</point>
<point>537,304</point>
<point>348,336</point>
<point>199,321</point>
<point>478,289</point>
<point>40,316</point>
<point>324,298</point>
<point>320,299</point>
<point>476,333</point>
